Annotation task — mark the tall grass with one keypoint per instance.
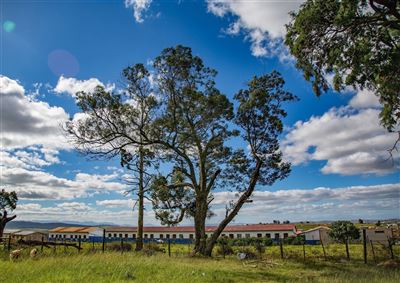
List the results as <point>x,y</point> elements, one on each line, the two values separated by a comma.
<point>138,267</point>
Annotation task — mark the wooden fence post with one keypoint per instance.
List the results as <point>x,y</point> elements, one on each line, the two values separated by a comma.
<point>41,247</point>
<point>323,249</point>
<point>391,249</point>
<point>281,247</point>
<point>79,245</point>
<point>365,245</point>
<point>9,243</point>
<point>104,239</point>
<point>373,251</point>
<point>304,252</point>
<point>169,247</point>
<point>122,245</point>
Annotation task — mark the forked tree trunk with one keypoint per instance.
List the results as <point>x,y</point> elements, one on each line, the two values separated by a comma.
<point>244,197</point>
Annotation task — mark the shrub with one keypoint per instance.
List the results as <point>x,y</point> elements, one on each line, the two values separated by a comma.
<point>224,250</point>
<point>250,254</point>
<point>117,247</point>
<point>153,247</point>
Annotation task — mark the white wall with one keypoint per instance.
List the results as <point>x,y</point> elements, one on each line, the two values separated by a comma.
<point>186,235</point>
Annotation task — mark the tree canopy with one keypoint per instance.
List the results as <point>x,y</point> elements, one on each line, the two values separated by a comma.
<point>343,231</point>
<point>355,41</point>
<point>189,131</point>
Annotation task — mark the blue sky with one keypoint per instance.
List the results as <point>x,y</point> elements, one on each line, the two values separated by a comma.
<point>52,48</point>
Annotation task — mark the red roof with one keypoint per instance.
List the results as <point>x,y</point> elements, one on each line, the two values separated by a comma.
<point>190,229</point>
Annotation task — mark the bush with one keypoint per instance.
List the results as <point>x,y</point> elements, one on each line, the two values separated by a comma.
<point>117,247</point>
<point>250,254</point>
<point>224,249</point>
<point>298,240</point>
<point>153,247</point>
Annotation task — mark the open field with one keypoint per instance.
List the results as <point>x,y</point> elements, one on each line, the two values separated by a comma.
<point>69,266</point>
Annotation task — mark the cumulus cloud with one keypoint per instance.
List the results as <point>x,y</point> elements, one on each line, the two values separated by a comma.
<point>351,141</point>
<point>80,212</point>
<point>33,184</point>
<point>365,99</point>
<point>139,7</point>
<point>72,85</point>
<point>261,22</point>
<point>316,204</point>
<point>116,202</point>
<point>26,122</point>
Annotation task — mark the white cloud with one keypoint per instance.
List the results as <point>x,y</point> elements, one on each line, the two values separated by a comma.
<point>139,7</point>
<point>72,85</point>
<point>365,99</point>
<point>262,22</point>
<point>25,122</point>
<point>376,201</point>
<point>34,184</point>
<point>351,141</point>
<point>116,203</point>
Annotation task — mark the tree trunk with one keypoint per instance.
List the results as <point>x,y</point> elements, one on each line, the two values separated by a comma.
<point>3,221</point>
<point>139,240</point>
<point>244,197</point>
<point>200,224</point>
<point>347,250</point>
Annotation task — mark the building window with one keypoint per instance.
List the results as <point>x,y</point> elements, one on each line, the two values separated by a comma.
<point>161,236</point>
<point>285,235</point>
<point>180,236</point>
<point>120,235</point>
<point>151,236</point>
<point>52,236</point>
<point>109,235</point>
<point>238,236</point>
<point>146,236</point>
<point>268,235</point>
<point>64,236</point>
<point>259,235</point>
<point>276,235</point>
<point>247,235</point>
<point>134,236</point>
<point>223,235</point>
<point>167,236</point>
<point>80,236</point>
<point>190,236</point>
<point>115,235</point>
<point>231,236</point>
<point>173,236</point>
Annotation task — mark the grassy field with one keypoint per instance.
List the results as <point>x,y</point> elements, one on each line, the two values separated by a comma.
<point>68,266</point>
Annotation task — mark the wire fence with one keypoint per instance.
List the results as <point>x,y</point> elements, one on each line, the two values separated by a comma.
<point>367,250</point>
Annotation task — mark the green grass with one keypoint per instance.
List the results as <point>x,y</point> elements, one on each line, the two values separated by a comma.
<point>138,267</point>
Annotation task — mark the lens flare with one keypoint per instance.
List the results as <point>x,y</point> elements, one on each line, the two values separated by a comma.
<point>8,26</point>
<point>62,62</point>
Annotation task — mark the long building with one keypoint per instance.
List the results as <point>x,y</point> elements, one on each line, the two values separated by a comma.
<point>179,234</point>
<point>274,231</point>
<point>75,233</point>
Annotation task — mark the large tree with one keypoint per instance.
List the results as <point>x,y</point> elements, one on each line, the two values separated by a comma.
<point>195,126</point>
<point>189,132</point>
<point>8,201</point>
<point>356,41</point>
<point>112,125</point>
